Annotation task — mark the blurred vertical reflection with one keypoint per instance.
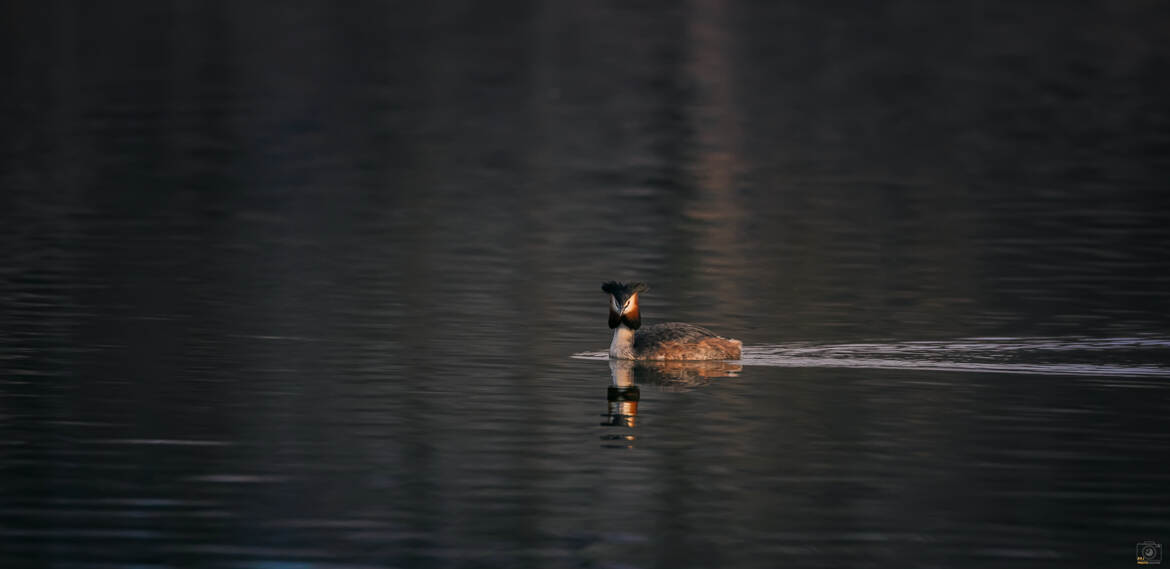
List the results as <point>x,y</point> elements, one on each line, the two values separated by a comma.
<point>718,211</point>
<point>622,398</point>
<point>624,394</point>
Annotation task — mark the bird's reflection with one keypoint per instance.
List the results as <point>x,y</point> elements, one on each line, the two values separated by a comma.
<point>623,395</point>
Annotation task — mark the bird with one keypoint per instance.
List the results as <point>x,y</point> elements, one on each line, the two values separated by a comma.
<point>668,341</point>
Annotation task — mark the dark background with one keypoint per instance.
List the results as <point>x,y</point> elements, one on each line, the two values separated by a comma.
<point>299,283</point>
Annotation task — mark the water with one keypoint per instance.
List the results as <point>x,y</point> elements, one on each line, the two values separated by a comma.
<point>1046,356</point>
<point>303,288</point>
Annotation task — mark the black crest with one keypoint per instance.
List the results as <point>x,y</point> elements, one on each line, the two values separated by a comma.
<point>623,290</point>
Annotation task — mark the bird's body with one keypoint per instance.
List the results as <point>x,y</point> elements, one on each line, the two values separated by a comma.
<point>669,341</point>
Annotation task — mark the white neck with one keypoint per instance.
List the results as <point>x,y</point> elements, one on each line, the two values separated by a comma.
<point>622,346</point>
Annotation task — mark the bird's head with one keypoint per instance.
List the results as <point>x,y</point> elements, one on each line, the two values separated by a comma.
<point>623,303</point>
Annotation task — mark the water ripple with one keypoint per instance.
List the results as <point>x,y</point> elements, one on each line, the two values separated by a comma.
<point>1142,357</point>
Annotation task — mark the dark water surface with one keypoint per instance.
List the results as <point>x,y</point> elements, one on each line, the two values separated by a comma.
<point>300,288</point>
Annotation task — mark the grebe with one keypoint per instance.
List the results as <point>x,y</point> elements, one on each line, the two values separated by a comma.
<point>669,341</point>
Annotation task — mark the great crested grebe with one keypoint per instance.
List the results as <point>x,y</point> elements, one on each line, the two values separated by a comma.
<point>669,341</point>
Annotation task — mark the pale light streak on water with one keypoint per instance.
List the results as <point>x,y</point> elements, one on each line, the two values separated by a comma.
<point>975,355</point>
<point>984,355</point>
